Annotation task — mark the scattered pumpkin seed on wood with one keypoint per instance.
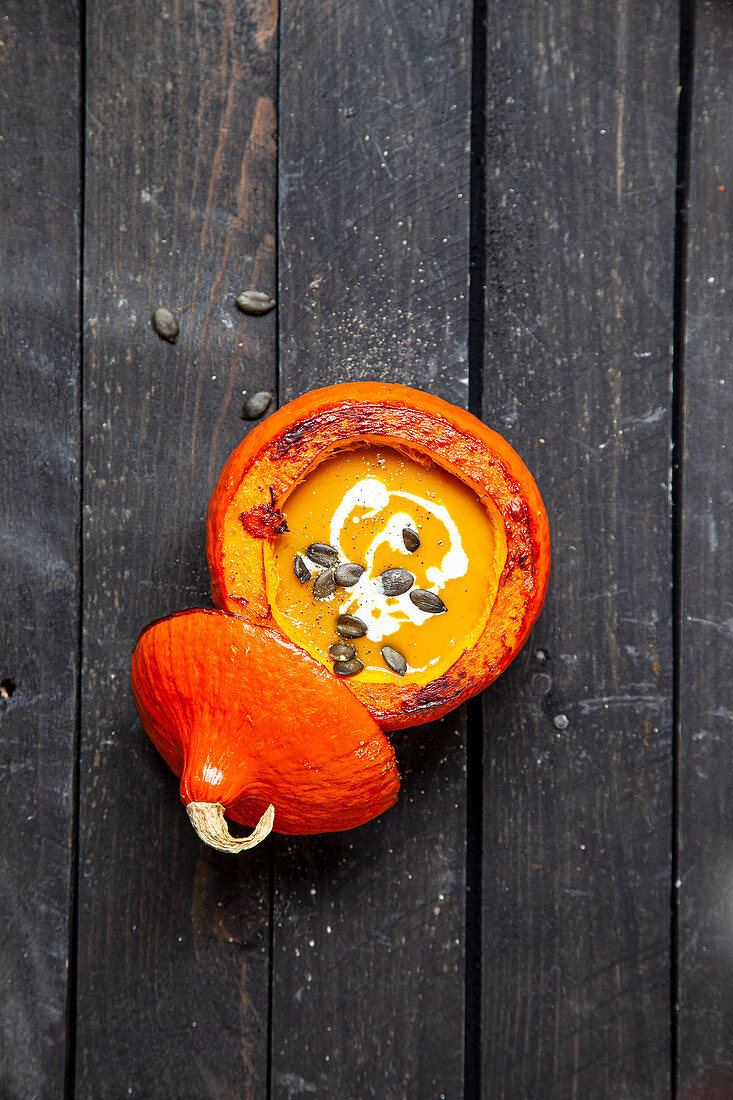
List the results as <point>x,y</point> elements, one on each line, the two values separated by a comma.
<point>301,570</point>
<point>165,324</point>
<point>396,581</point>
<point>324,585</point>
<point>348,574</point>
<point>255,302</point>
<point>427,601</point>
<point>256,405</point>
<point>348,626</point>
<point>348,668</point>
<point>322,553</point>
<point>394,660</point>
<point>341,651</point>
<point>411,539</point>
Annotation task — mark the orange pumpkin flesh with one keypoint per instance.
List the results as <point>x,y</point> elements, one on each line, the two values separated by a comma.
<point>247,514</point>
<point>250,722</point>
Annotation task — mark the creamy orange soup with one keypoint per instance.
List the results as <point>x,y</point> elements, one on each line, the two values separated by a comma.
<point>370,505</point>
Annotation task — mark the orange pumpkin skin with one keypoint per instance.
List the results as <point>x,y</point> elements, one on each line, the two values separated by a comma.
<point>278,453</point>
<point>247,719</point>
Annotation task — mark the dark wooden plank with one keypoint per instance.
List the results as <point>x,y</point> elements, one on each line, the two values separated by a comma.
<point>174,939</point>
<point>39,553</point>
<point>368,962</point>
<point>706,630</point>
<point>580,162</point>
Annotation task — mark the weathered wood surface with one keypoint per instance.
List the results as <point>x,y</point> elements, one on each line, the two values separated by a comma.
<point>706,627</point>
<point>335,966</point>
<point>368,961</point>
<point>580,156</point>
<point>40,173</point>
<point>180,185</point>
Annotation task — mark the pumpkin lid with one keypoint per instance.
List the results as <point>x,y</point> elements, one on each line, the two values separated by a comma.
<point>258,729</point>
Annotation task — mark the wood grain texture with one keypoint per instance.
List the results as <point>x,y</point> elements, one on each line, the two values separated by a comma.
<point>40,171</point>
<point>180,186</point>
<point>580,162</point>
<point>706,647</point>
<point>368,963</point>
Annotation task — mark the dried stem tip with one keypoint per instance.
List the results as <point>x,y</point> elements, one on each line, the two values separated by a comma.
<point>208,820</point>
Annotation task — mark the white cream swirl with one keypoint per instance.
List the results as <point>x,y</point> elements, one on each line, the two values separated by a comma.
<point>366,598</point>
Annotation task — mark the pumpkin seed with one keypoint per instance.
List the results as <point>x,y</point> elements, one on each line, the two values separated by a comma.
<point>394,660</point>
<point>256,405</point>
<point>411,539</point>
<point>348,574</point>
<point>322,554</point>
<point>341,652</point>
<point>348,668</point>
<point>427,601</point>
<point>165,324</point>
<point>255,302</point>
<point>348,626</point>
<point>396,581</point>
<point>301,570</point>
<point>324,585</point>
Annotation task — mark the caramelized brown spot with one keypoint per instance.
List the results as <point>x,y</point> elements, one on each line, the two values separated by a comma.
<point>264,521</point>
<point>293,438</point>
<point>436,694</point>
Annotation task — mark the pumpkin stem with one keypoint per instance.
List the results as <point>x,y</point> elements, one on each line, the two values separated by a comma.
<point>207,819</point>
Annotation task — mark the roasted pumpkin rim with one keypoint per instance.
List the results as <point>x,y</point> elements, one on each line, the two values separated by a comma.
<point>280,452</point>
